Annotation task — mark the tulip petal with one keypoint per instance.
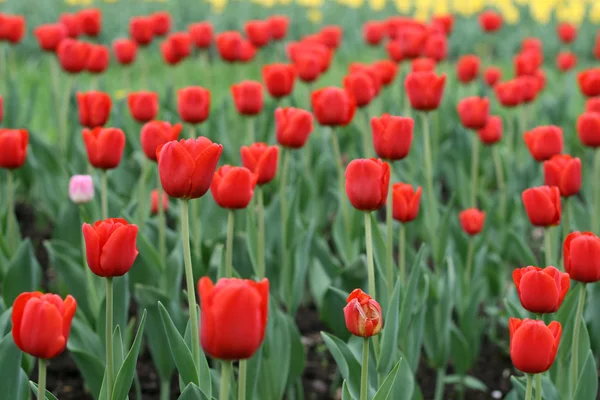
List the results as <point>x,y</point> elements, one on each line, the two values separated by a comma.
<point>176,168</point>
<point>41,329</point>
<point>120,251</point>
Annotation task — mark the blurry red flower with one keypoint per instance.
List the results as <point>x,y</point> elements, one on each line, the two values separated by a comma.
<point>72,23</point>
<point>362,314</point>
<point>307,67</point>
<point>533,345</point>
<point>161,23</point>
<point>412,40</point>
<point>72,55</point>
<point>422,64</point>
<point>141,29</point>
<point>233,187</point>
<point>154,201</point>
<point>176,47</point>
<point>425,90</point>
<point>104,146</point>
<point>588,129</point>
<point>492,131</point>
<point>386,70</point>
<point>293,126</point>
<point>544,142</point>
<point>508,93</point>
<point>405,202</point>
<point>367,183</point>
<point>589,82</point>
<point>392,136</point>
<point>490,21</point>
<point>581,252</point>
<point>529,87</point>
<point>110,246</point>
<point>467,68</point>
<point>94,108</point>
<point>155,134</point>
<point>125,51</point>
<point>258,32</point>
<point>593,105</point>
<point>333,106</point>
<point>541,291</point>
<point>229,45</point>
<point>143,105</point>
<point>373,32</point>
<point>566,32</point>
<point>91,21</point>
<point>278,26</point>
<point>564,172</point>
<point>471,221</point>
<point>261,160</point>
<point>13,147</point>
<point>394,50</point>
<point>98,58</point>
<point>532,43</point>
<point>331,36</point>
<point>49,36</point>
<point>201,34</point>
<point>436,47</point>
<point>247,51</point>
<point>247,97</point>
<point>542,205</point>
<point>445,21</point>
<point>492,75</point>
<point>279,79</point>
<point>566,61</point>
<point>193,104</point>
<point>526,63</point>
<point>361,86</point>
<point>473,112</point>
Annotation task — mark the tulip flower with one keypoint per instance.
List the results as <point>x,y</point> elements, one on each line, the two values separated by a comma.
<point>529,87</point>
<point>565,61</point>
<point>308,68</point>
<point>370,71</point>
<point>278,26</point>
<point>446,21</point>
<point>412,40</point>
<point>279,79</point>
<point>425,90</point>
<point>581,256</point>
<point>386,70</point>
<point>293,127</point>
<point>49,36</point>
<point>125,51</point>
<point>467,68</point>
<point>261,160</point>
<point>589,82</point>
<point>566,32</point>
<point>544,142</point>
<point>12,28</point>
<point>363,314</point>
<point>422,64</point>
<point>542,205</point>
<point>176,48</point>
<point>94,108</point>
<point>533,345</point>
<point>492,75</point>
<point>405,204</point>
<point>471,221</point>
<point>508,93</point>
<point>229,45</point>
<point>490,21</point>
<point>201,34</point>
<point>564,172</point>
<point>81,189</point>
<point>248,97</point>
<point>372,32</point>
<point>588,129</point>
<point>593,105</point>
<point>436,47</point>
<point>360,85</point>
<point>104,146</point>
<point>141,29</point>
<point>91,21</point>
<point>331,36</point>
<point>73,55</point>
<point>258,32</point>
<point>394,51</point>
<point>526,63</point>
<point>392,136</point>
<point>367,183</point>
<point>473,112</point>
<point>143,105</point>
<point>154,195</point>
<point>13,147</point>
<point>492,131</point>
<point>193,104</point>
<point>333,106</point>
<point>161,23</point>
<point>540,290</point>
<point>72,24</point>
<point>155,134</point>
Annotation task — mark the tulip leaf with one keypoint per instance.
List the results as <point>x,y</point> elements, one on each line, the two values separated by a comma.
<point>252,237</point>
<point>527,255</point>
<point>348,364</point>
<point>587,385</point>
<point>303,257</point>
<point>334,302</point>
<point>22,273</point>
<point>34,389</point>
<point>118,355</point>
<point>10,368</point>
<point>193,392</point>
<point>410,293</point>
<point>124,377</point>
<point>92,368</point>
<point>385,390</point>
<point>389,341</point>
<point>345,392</point>
<point>181,353</point>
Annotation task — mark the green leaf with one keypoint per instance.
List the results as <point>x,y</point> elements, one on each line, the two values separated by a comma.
<point>385,390</point>
<point>389,341</point>
<point>348,364</point>
<point>125,375</point>
<point>10,368</point>
<point>22,273</point>
<point>524,251</point>
<point>587,385</point>
<point>192,392</point>
<point>334,302</point>
<point>468,381</point>
<point>34,389</point>
<point>181,353</point>
<point>118,354</point>
<point>252,237</point>
<point>303,257</point>
<point>91,367</point>
<point>408,300</point>
<point>345,392</point>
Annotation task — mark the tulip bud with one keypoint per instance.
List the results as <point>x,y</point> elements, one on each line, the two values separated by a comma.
<point>566,32</point>
<point>508,93</point>
<point>125,51</point>
<point>13,147</point>
<point>143,105</point>
<point>91,21</point>
<point>490,21</point>
<point>564,172</point>
<point>201,34</point>
<point>436,47</point>
<point>141,29</point>
<point>589,82</point>
<point>533,345</point>
<point>472,220</point>
<point>367,183</point>
<point>492,75</point>
<point>279,79</point>
<point>247,97</point>
<point>406,202</point>
<point>424,90</point>
<point>541,290</point>
<point>154,201</point>
<point>81,189</point>
<point>333,106</point>
<point>261,160</point>
<point>542,205</point>
<point>363,314</point>
<point>161,23</point>
<point>565,61</point>
<point>474,112</point>
<point>588,129</point>
<point>392,136</point>
<point>94,108</point>
<point>581,252</point>
<point>492,131</point>
<point>193,104</point>
<point>278,26</point>
<point>544,142</point>
<point>467,68</point>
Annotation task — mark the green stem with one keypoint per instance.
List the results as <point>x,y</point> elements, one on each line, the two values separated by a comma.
<point>89,276</point>
<point>242,380</point>
<point>439,384</point>
<point>529,390</point>
<point>538,386</point>
<point>548,246</point>
<point>189,278</point>
<point>250,126</point>
<point>104,195</point>
<point>11,228</point>
<point>229,249</point>
<point>197,227</point>
<point>566,222</point>
<point>64,118</point>
<point>261,233</point>
<point>165,390</point>
<point>283,206</point>
<point>596,219</point>
<point>500,180</point>
<point>474,170</point>
<point>162,223</point>
<point>364,375</point>
<point>341,179</point>
<point>41,378</point>
<point>429,180</point>
<point>401,253</point>
<point>110,374</point>
<point>142,195</point>
<point>370,263</point>
<point>390,243</point>
<point>575,348</point>
<point>225,380</point>
<point>470,253</point>
<point>365,135</point>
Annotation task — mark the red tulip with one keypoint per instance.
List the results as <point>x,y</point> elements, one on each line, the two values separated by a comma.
<point>425,90</point>
<point>412,40</point>
<point>193,104</point>
<point>187,167</point>
<point>471,221</point>
<point>104,146</point>
<point>49,36</point>
<point>155,134</point>
<point>331,36</point>
<point>405,202</point>
<point>566,32</point>
<point>12,28</point>
<point>247,51</point>
<point>41,323</point>
<point>529,87</point>
<point>526,63</point>
<point>490,21</point>
<point>542,205</point>
<point>589,82</point>
<point>201,34</point>
<point>143,105</point>
<point>234,317</point>
<point>278,26</point>
<point>73,55</point>
<point>387,70</point>
<point>361,87</point>
<point>566,61</point>
<point>261,160</point>
<point>161,23</point>
<point>492,131</point>
<point>13,147</point>
<point>564,172</point>
<point>318,52</point>
<point>492,75</point>
<point>422,64</point>
<point>445,21</point>
<point>436,47</point>
<point>258,32</point>
<point>588,129</point>
<point>91,21</point>
<point>533,44</point>
<point>279,79</point>
<point>141,29</point>
<point>467,68</point>
<point>541,291</point>
<point>94,108</point>
<point>394,51</point>
<point>392,136</point>
<point>593,105</point>
<point>508,93</point>
<point>233,187</point>
<point>544,142</point>
<point>582,256</point>
<point>533,345</point>
<point>229,45</point>
<point>125,51</point>
<point>176,47</point>
<point>248,97</point>
<point>154,201</point>
<point>373,32</point>
<point>72,24</point>
<point>371,72</point>
<point>362,314</point>
<point>540,76</point>
<point>307,67</point>
<point>367,183</point>
<point>292,127</point>
<point>98,59</point>
<point>110,247</point>
<point>474,112</point>
<point>333,106</point>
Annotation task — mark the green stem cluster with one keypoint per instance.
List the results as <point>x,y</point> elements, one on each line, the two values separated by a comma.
<point>390,247</point>
<point>575,348</point>
<point>104,195</point>
<point>364,374</point>
<point>261,233</point>
<point>110,373</point>
<point>41,378</point>
<point>341,178</point>
<point>474,170</point>
<point>162,223</point>
<point>229,246</point>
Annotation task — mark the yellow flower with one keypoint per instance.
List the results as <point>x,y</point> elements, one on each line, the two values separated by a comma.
<point>573,12</point>
<point>310,3</point>
<point>440,7</point>
<point>595,13</point>
<point>120,94</point>
<point>265,3</point>
<point>404,6</point>
<point>315,15</point>
<point>377,5</point>
<point>352,3</point>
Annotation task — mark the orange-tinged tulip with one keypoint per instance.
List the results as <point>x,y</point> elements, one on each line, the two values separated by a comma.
<point>362,314</point>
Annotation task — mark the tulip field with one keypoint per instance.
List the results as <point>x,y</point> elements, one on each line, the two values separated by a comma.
<point>300,200</point>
